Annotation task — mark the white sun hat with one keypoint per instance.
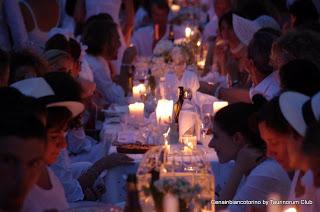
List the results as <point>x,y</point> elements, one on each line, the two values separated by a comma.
<point>40,89</point>
<point>300,110</point>
<point>245,28</point>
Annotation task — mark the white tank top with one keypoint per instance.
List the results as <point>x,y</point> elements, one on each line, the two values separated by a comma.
<point>39,199</point>
<point>37,37</point>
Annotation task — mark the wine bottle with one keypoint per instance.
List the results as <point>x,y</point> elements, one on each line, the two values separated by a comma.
<point>132,204</point>
<point>178,105</point>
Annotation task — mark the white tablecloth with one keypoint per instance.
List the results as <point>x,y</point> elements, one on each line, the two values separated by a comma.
<point>115,179</point>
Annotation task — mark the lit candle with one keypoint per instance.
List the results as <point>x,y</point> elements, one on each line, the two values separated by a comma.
<point>175,8</point>
<point>218,105</point>
<point>187,150</point>
<point>138,91</point>
<point>189,141</point>
<point>198,43</point>
<point>201,63</point>
<point>188,32</point>
<point>136,111</point>
<point>164,111</point>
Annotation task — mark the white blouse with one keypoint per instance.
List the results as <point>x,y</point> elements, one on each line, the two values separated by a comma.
<point>268,177</point>
<point>39,199</point>
<point>111,92</point>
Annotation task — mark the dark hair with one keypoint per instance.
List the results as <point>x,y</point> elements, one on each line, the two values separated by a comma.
<point>26,58</point>
<point>60,42</point>
<point>226,18</point>
<point>97,33</point>
<point>100,17</point>
<point>64,86</point>
<point>241,117</point>
<point>58,117</point>
<point>311,143</point>
<point>300,75</point>
<point>259,51</point>
<point>304,11</point>
<point>271,115</point>
<point>20,115</point>
<point>252,9</point>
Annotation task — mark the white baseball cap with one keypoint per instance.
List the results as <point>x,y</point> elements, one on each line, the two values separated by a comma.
<point>300,110</point>
<point>40,89</point>
<point>245,28</point>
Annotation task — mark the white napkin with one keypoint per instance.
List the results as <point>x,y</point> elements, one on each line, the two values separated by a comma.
<point>189,123</point>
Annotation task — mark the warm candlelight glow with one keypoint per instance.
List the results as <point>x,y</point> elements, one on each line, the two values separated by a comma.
<point>187,150</point>
<point>136,111</point>
<point>201,63</point>
<point>138,91</point>
<point>164,111</point>
<point>189,141</point>
<point>218,105</point>
<point>175,8</point>
<point>291,210</point>
<point>199,43</point>
<point>166,143</point>
<point>188,32</point>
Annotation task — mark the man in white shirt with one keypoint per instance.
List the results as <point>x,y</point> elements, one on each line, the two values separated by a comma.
<point>147,37</point>
<point>265,81</point>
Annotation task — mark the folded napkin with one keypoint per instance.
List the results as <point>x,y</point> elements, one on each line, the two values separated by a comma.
<point>189,123</point>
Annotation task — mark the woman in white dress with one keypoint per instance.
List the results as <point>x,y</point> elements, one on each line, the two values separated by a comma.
<point>40,16</point>
<point>255,176</point>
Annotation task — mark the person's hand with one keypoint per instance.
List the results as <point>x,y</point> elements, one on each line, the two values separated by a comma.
<point>248,158</point>
<point>116,159</point>
<point>129,54</point>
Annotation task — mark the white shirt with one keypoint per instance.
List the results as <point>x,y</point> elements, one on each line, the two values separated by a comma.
<point>62,169</point>
<point>39,199</point>
<point>269,87</point>
<point>268,177</point>
<point>142,39</point>
<point>112,92</point>
<point>311,192</point>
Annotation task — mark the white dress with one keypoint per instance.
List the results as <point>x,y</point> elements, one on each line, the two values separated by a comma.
<point>111,92</point>
<point>112,7</point>
<point>268,177</point>
<point>37,37</point>
<point>269,87</point>
<point>39,199</point>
